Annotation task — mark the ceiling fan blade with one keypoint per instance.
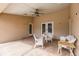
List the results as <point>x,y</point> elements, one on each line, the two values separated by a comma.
<point>41,13</point>
<point>34,15</point>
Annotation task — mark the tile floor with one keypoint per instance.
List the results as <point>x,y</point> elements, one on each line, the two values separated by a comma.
<point>25,47</point>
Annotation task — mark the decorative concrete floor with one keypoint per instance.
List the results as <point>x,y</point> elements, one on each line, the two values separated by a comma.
<point>25,47</point>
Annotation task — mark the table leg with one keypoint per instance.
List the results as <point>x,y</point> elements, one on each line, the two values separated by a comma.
<point>71,52</point>
<point>60,50</point>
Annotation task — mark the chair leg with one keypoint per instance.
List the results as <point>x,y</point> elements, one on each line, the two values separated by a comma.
<point>42,46</point>
<point>51,41</point>
<point>46,41</point>
<point>35,46</point>
<point>59,50</point>
<point>71,52</point>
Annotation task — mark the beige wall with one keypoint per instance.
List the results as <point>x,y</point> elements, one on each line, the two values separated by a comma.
<point>60,19</point>
<point>13,27</point>
<point>75,24</point>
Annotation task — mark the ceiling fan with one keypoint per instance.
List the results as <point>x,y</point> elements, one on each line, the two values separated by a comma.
<point>36,12</point>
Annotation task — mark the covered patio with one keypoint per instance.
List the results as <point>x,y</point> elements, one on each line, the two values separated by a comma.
<point>20,22</point>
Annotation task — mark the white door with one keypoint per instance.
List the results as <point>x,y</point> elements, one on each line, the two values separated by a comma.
<point>48,27</point>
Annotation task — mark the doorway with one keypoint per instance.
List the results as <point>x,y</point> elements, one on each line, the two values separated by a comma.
<point>47,27</point>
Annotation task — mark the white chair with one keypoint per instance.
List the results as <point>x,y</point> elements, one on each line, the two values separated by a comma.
<point>62,38</point>
<point>38,41</point>
<point>71,39</point>
<point>48,37</point>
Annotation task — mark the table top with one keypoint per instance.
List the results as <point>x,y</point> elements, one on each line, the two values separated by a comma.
<point>66,43</point>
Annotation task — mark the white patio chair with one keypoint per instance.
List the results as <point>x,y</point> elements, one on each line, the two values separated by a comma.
<point>48,37</point>
<point>38,41</point>
<point>62,38</point>
<point>71,39</point>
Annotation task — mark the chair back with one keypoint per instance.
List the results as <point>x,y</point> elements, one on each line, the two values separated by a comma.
<point>34,37</point>
<point>71,39</point>
<point>62,38</point>
<point>50,35</point>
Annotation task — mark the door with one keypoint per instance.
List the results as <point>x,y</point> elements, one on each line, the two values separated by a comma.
<point>48,27</point>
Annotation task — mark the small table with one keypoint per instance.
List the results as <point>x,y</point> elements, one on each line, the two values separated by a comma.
<point>67,45</point>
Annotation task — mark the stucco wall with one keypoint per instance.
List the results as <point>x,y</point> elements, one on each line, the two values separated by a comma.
<point>13,27</point>
<point>75,24</point>
<point>60,19</point>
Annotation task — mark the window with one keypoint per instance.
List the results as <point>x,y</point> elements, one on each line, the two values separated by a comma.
<point>30,28</point>
<point>49,27</point>
<point>43,28</point>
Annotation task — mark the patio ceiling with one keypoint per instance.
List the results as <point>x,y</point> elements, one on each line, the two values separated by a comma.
<point>28,8</point>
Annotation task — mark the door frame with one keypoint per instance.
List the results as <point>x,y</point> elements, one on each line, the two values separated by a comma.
<point>47,27</point>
